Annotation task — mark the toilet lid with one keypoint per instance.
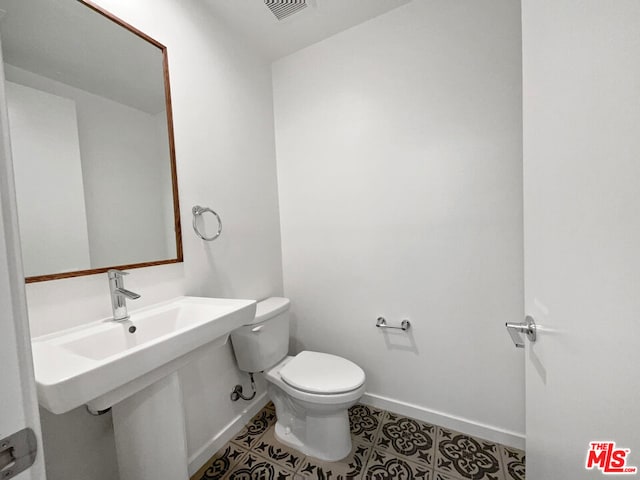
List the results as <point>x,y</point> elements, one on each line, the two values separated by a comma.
<point>322,373</point>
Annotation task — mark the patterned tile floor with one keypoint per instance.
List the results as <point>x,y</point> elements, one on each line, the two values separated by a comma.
<point>386,446</point>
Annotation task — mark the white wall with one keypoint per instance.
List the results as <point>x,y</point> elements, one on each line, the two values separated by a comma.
<point>113,139</point>
<point>399,150</point>
<point>226,160</point>
<point>46,153</point>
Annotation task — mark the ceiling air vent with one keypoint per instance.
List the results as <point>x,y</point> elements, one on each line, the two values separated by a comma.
<point>284,8</point>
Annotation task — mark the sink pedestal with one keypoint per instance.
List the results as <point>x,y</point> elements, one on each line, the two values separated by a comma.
<point>150,434</point>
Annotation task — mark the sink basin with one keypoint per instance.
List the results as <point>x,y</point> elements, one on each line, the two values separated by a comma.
<point>103,363</point>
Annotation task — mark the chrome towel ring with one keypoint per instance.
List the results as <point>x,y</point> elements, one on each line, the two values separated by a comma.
<point>197,211</point>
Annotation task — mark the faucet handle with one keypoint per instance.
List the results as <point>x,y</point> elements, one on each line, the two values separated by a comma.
<point>113,273</point>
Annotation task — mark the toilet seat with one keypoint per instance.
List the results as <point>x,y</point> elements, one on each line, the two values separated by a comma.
<point>322,373</point>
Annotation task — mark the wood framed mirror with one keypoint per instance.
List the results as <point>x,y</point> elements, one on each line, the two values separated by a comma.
<point>91,129</point>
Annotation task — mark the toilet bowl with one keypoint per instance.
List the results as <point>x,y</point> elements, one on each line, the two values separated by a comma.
<point>311,391</point>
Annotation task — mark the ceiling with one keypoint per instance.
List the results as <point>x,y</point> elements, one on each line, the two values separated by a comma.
<point>252,20</point>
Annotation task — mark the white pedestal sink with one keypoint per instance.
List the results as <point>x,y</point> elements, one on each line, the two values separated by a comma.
<point>132,367</point>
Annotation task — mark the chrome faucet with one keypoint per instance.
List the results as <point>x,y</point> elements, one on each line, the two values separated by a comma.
<point>119,295</point>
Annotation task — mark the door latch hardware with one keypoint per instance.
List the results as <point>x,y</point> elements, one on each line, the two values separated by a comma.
<point>528,328</point>
<point>17,453</point>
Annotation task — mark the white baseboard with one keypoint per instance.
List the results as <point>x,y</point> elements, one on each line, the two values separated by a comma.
<point>463,425</point>
<point>199,458</point>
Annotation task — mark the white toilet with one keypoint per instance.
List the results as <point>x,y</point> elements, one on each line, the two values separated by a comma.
<point>312,391</point>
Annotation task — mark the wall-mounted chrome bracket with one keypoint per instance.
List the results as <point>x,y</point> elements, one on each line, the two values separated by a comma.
<point>17,453</point>
<point>528,328</point>
<point>404,325</point>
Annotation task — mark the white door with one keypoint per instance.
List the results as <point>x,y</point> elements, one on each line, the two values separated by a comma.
<point>581,85</point>
<point>18,402</point>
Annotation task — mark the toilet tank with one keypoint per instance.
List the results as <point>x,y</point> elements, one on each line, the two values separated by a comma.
<point>263,342</point>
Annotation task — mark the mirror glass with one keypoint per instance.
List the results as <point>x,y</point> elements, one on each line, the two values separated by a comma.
<point>91,139</point>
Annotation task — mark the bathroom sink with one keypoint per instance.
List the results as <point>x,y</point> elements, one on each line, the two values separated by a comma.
<point>105,362</point>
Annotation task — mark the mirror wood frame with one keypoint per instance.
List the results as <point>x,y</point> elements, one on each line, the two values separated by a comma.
<point>172,156</point>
